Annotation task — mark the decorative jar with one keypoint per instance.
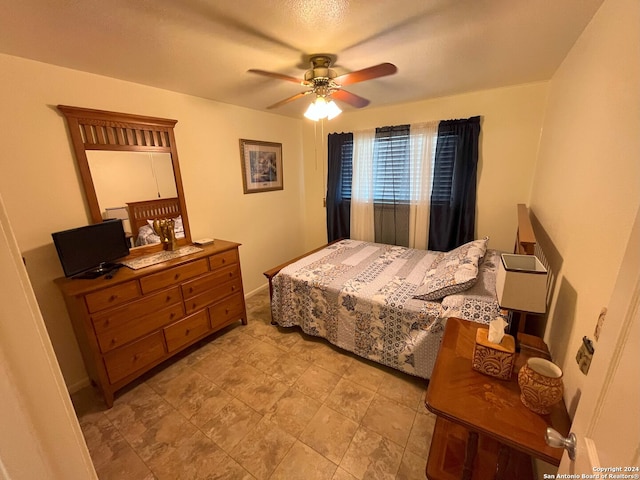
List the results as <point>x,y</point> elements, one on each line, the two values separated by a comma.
<point>540,384</point>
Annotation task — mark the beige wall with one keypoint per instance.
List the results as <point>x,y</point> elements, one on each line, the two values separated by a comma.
<point>510,133</point>
<point>587,182</point>
<point>41,190</point>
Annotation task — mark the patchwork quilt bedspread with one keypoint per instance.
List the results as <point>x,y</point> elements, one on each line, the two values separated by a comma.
<point>359,296</point>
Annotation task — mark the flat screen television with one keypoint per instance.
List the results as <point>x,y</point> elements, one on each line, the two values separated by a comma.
<point>88,252</point>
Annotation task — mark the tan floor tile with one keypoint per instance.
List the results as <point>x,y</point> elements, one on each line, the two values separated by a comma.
<point>350,399</point>
<point>333,359</point>
<point>406,390</point>
<point>196,458</point>
<point>293,411</point>
<point>303,461</point>
<point>389,419</point>
<point>240,345</point>
<point>200,409</point>
<point>283,338</point>
<point>365,373</point>
<point>214,365</point>
<point>104,441</point>
<point>412,466</point>
<point>371,456</point>
<point>231,424</point>
<point>329,433</point>
<point>342,474</point>
<point>159,440</point>
<point>308,347</point>
<point>317,382</point>
<point>125,466</point>
<point>288,368</point>
<point>262,449</point>
<point>137,410</point>
<point>263,356</point>
<point>421,433</point>
<point>262,392</point>
<point>237,377</point>
<point>187,386</point>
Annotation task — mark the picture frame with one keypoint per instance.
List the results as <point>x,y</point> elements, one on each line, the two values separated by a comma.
<point>261,166</point>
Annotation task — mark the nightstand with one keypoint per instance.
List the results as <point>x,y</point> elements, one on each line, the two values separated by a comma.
<point>483,431</point>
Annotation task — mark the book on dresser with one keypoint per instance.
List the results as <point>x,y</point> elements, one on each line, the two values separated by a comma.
<point>128,324</point>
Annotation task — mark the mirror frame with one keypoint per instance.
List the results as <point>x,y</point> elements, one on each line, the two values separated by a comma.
<point>102,130</point>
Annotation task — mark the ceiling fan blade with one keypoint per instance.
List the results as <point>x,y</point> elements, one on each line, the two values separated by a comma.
<point>279,76</point>
<point>376,71</point>
<point>350,98</point>
<point>290,99</point>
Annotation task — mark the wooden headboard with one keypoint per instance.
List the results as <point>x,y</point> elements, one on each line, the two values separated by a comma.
<point>525,238</point>
<point>140,212</point>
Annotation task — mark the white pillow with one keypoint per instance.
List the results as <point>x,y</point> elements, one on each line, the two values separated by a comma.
<point>452,272</point>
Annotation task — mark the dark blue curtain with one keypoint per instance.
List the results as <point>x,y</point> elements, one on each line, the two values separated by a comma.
<point>340,151</point>
<point>453,199</point>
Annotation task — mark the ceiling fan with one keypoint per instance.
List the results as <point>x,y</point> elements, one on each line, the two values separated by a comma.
<point>323,81</point>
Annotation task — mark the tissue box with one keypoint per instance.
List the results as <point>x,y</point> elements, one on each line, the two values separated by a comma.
<point>494,359</point>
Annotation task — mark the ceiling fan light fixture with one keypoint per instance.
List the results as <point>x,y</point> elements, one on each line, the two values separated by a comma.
<point>320,108</point>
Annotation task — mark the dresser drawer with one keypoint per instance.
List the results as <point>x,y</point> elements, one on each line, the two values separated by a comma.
<point>213,295</point>
<point>202,284</point>
<point>173,275</point>
<point>126,360</point>
<point>130,313</point>
<point>223,259</point>
<point>186,330</point>
<point>227,311</point>
<point>116,337</point>
<point>112,296</point>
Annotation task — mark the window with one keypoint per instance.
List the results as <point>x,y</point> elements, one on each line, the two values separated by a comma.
<point>392,168</point>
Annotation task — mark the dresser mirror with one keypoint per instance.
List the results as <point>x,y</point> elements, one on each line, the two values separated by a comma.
<point>129,170</point>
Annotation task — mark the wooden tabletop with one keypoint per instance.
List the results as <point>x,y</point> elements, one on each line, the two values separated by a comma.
<point>485,404</point>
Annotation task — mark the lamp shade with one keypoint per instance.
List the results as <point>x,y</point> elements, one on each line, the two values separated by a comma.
<point>521,283</point>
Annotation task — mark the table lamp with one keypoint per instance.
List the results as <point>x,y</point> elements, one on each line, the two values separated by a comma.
<point>521,283</point>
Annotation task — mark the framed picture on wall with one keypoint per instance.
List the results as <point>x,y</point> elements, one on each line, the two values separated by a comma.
<point>261,166</point>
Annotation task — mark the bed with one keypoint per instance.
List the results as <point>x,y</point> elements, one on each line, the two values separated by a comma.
<point>386,303</point>
<point>142,214</point>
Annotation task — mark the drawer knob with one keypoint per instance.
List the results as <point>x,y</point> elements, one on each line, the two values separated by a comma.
<point>226,311</point>
<point>176,276</point>
<point>233,288</point>
<point>113,341</point>
<point>113,298</point>
<point>187,332</point>
<point>136,357</point>
<point>168,298</point>
<point>171,315</point>
<point>224,260</point>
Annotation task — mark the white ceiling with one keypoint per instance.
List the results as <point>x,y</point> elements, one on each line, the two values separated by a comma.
<point>205,47</point>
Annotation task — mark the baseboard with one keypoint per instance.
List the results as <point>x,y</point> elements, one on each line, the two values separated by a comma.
<point>79,385</point>
<point>256,291</point>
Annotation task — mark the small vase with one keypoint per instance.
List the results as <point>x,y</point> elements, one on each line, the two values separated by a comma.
<point>540,384</point>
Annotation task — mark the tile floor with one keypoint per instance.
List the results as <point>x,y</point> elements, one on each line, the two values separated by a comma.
<point>261,402</point>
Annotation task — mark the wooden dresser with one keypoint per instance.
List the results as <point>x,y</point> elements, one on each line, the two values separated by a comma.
<point>132,322</point>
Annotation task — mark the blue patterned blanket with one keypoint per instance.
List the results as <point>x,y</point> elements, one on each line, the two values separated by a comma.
<point>359,296</point>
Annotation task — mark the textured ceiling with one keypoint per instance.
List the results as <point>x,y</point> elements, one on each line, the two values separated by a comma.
<point>205,47</point>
